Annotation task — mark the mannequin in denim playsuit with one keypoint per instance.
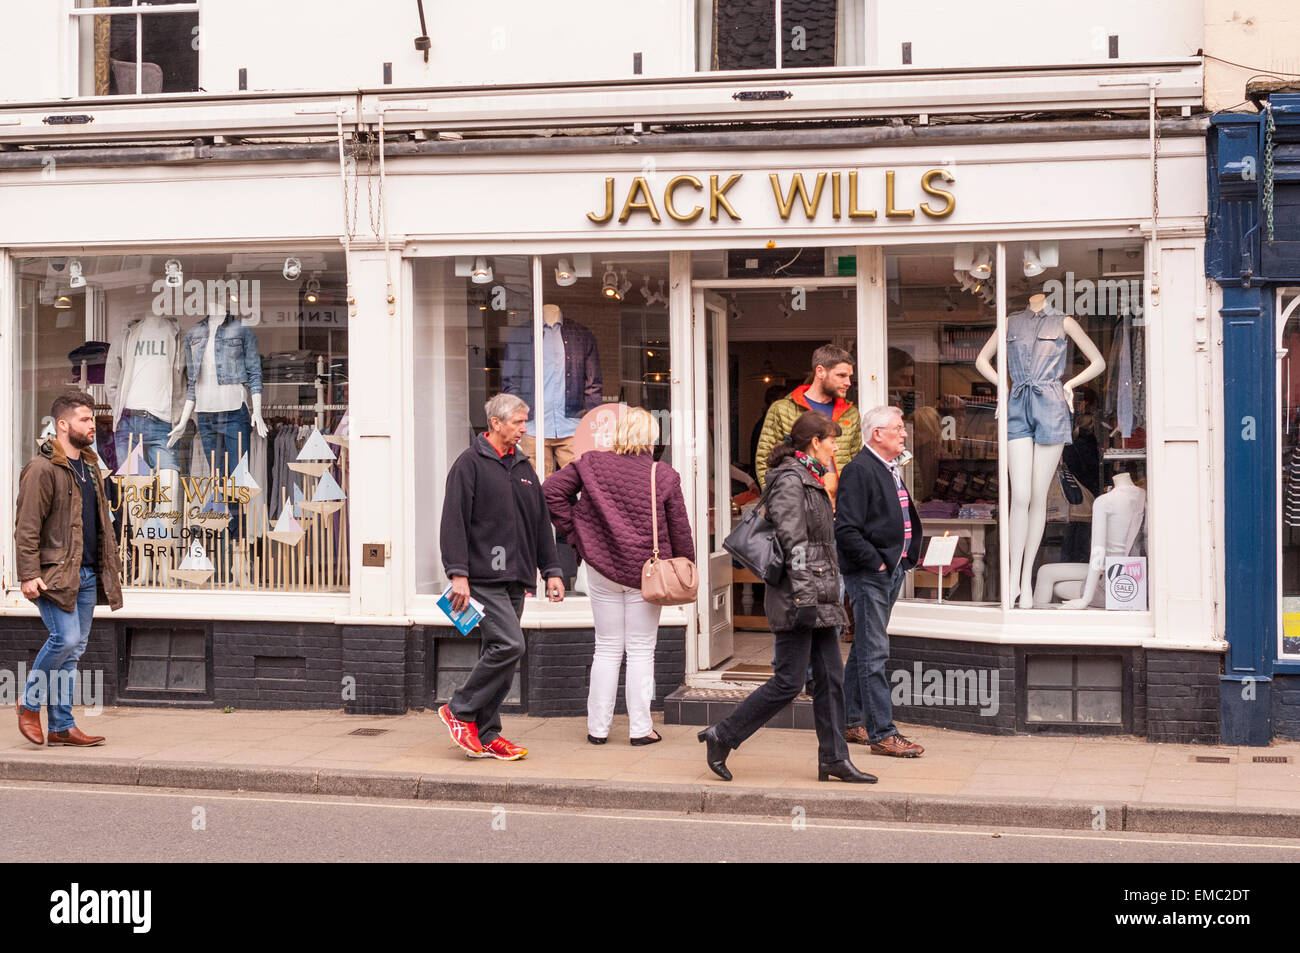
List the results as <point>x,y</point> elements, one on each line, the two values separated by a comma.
<point>1038,412</point>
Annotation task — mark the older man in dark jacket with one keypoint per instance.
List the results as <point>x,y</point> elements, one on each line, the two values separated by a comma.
<point>67,564</point>
<point>496,536</point>
<point>878,534</point>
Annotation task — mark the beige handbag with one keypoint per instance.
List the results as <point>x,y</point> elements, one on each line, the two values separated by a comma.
<point>666,582</point>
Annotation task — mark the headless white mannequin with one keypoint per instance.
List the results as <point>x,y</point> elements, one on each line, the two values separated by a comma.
<point>1116,519</point>
<point>1031,466</point>
<point>216,315</point>
<point>551,314</point>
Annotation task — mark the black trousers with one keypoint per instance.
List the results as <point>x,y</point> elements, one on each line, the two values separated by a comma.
<point>794,650</point>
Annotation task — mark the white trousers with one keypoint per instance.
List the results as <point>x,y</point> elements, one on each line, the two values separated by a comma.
<point>624,622</point>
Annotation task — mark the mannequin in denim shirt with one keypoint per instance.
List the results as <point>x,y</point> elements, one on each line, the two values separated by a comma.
<point>1038,423</point>
<point>224,348</point>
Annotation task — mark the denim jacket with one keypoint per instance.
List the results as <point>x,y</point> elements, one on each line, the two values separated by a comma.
<point>236,359</point>
<point>582,380</point>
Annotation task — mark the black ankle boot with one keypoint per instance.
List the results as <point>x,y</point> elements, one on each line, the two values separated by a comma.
<point>716,753</point>
<point>845,771</point>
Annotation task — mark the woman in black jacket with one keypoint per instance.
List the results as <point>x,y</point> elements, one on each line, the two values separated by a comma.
<point>805,609</point>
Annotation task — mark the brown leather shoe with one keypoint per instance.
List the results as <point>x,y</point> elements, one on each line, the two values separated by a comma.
<point>29,723</point>
<point>76,737</point>
<point>856,735</point>
<point>897,746</point>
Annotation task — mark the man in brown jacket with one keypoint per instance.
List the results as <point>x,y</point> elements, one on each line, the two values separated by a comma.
<point>67,564</point>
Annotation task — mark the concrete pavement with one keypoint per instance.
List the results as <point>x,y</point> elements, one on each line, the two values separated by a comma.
<point>1022,781</point>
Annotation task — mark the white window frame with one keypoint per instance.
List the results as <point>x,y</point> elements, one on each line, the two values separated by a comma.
<point>141,10</point>
<point>694,52</point>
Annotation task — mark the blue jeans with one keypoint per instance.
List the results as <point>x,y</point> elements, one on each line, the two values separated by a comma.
<point>225,433</point>
<point>866,689</point>
<point>136,426</point>
<point>54,673</point>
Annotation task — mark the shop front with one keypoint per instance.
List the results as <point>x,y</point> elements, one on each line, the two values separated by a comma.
<point>1254,257</point>
<point>283,551</point>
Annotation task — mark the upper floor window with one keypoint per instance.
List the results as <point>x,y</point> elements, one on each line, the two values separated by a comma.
<point>134,47</point>
<point>779,34</point>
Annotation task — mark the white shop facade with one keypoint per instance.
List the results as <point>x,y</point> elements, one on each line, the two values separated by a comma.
<point>706,276</point>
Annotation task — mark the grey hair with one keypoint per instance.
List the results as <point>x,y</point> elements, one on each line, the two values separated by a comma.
<point>504,406</point>
<point>881,416</point>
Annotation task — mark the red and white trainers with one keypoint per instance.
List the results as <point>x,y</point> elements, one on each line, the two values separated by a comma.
<point>463,733</point>
<point>500,749</point>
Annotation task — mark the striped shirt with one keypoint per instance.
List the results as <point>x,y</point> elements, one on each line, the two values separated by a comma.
<point>903,499</point>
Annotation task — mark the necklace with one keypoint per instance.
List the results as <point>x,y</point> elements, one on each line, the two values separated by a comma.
<point>80,474</point>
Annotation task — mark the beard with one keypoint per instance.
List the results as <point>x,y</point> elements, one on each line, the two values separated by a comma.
<point>80,441</point>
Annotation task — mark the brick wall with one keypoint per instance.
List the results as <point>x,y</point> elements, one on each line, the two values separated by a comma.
<point>1182,696</point>
<point>1285,707</point>
<point>277,665</point>
<point>376,657</point>
<point>558,666</point>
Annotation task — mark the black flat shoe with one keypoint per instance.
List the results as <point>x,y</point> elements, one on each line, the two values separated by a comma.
<point>651,739</point>
<point>845,771</point>
<point>716,753</point>
<point>596,741</point>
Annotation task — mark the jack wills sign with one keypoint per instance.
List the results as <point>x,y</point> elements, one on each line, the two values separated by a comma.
<point>840,195</point>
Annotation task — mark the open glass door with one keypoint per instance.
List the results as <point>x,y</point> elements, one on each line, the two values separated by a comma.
<point>713,484</point>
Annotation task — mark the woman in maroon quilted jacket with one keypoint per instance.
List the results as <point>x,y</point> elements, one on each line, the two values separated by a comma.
<point>601,502</point>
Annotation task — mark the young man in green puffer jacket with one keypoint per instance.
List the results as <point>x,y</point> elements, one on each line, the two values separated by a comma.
<point>832,377</point>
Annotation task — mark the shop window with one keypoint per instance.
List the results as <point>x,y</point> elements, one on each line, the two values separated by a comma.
<point>1075,457</point>
<point>936,328</point>
<point>604,326</point>
<point>745,35</point>
<point>152,49</point>
<point>163,660</point>
<point>1289,431</point>
<point>226,463</point>
<point>1074,690</point>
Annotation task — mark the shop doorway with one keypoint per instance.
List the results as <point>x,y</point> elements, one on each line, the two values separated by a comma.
<point>754,340</point>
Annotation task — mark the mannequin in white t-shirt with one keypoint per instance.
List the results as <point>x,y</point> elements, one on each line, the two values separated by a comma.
<point>142,382</point>
<point>1116,522</point>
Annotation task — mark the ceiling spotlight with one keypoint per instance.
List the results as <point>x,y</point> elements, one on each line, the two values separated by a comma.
<point>609,284</point>
<point>312,289</point>
<point>482,272</point>
<point>624,284</point>
<point>1030,262</point>
<point>75,277</point>
<point>564,275</point>
<point>982,265</point>
<point>172,269</point>
<point>292,269</point>
<point>62,303</point>
<point>987,294</point>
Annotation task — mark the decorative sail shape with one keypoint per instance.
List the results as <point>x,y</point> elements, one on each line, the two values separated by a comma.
<point>196,567</point>
<point>328,498</point>
<point>340,435</point>
<point>287,530</point>
<point>49,433</point>
<point>315,456</point>
<point>297,500</point>
<point>242,477</point>
<point>134,471</point>
<point>134,465</point>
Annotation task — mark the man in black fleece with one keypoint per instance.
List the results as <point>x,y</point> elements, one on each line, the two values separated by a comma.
<point>496,535</point>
